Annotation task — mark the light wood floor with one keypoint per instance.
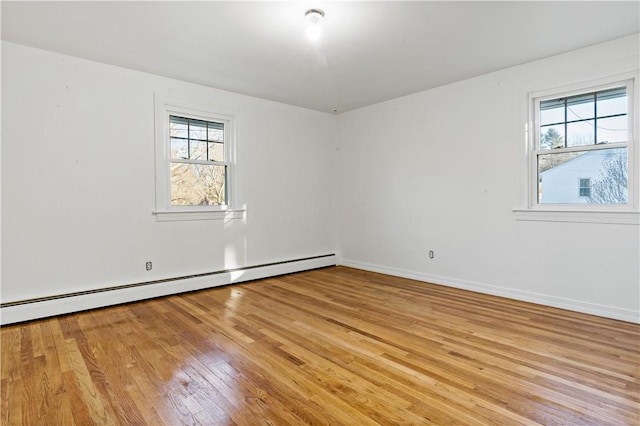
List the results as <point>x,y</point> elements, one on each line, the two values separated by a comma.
<point>332,346</point>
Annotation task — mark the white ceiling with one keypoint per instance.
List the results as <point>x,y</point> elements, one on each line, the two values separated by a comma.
<point>369,52</point>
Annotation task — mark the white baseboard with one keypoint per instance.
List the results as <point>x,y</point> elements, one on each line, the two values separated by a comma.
<point>67,304</point>
<point>541,299</point>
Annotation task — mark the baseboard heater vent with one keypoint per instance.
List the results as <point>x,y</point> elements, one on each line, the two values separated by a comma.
<point>169,285</point>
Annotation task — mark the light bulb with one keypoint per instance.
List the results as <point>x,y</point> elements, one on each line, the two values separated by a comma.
<point>314,16</point>
<point>314,31</point>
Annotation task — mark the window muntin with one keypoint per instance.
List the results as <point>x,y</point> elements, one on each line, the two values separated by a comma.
<point>198,166</point>
<point>578,136</point>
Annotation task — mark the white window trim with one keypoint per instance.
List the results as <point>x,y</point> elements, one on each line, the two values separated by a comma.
<point>530,210</point>
<point>172,216</point>
<point>164,211</point>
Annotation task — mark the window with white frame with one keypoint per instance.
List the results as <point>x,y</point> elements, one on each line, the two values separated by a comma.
<point>585,137</point>
<point>198,167</point>
<point>194,161</point>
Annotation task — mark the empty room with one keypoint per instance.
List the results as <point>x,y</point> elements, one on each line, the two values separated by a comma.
<point>331,212</point>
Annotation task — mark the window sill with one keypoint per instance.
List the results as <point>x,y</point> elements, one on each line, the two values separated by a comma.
<point>578,216</point>
<point>179,215</point>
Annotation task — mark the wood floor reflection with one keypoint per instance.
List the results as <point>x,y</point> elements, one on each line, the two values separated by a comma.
<point>331,346</point>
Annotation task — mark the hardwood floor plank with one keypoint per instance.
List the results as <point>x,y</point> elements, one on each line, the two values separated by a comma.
<point>86,394</point>
<point>106,356</point>
<point>332,346</point>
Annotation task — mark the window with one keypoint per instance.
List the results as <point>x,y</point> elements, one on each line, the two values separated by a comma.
<point>194,163</point>
<point>582,136</point>
<point>584,188</point>
<point>197,164</point>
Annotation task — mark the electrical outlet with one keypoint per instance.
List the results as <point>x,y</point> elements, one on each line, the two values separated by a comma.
<point>431,254</point>
<point>149,266</point>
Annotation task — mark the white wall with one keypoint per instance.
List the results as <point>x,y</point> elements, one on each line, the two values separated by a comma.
<point>78,185</point>
<point>438,170</point>
<point>442,170</point>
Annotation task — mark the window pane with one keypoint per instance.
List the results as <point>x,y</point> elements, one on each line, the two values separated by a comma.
<point>611,102</point>
<point>216,132</point>
<point>178,127</point>
<point>612,129</point>
<point>552,111</point>
<point>580,133</point>
<point>580,107</point>
<point>552,137</point>
<point>585,188</point>
<point>560,177</point>
<point>216,152</point>
<point>198,130</point>
<point>197,185</point>
<point>179,148</point>
<point>198,151</point>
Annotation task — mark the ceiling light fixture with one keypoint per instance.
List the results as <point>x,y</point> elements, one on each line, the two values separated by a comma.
<point>314,16</point>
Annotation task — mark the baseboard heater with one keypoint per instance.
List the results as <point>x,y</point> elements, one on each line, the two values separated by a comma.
<point>29,309</point>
